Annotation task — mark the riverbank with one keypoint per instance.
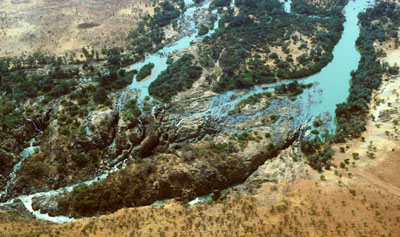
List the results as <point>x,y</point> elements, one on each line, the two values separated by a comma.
<point>183,132</point>
<point>305,204</point>
<point>202,145</point>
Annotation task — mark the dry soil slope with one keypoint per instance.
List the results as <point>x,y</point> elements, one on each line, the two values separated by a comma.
<point>54,27</point>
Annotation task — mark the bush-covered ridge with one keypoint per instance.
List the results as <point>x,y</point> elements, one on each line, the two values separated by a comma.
<point>244,44</point>
<point>201,171</point>
<point>318,8</point>
<point>179,76</point>
<point>352,115</point>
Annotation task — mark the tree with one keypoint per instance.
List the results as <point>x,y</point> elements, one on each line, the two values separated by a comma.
<point>99,95</point>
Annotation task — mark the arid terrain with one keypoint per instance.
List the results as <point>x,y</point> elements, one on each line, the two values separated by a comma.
<point>59,27</point>
<point>243,147</point>
<point>361,197</point>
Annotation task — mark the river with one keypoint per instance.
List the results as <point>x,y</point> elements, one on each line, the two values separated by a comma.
<point>160,58</point>
<point>332,86</point>
<point>160,61</point>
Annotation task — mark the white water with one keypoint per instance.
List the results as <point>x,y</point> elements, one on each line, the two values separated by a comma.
<point>161,64</point>
<point>112,145</point>
<point>87,128</point>
<point>24,154</point>
<point>35,126</point>
<point>27,199</point>
<point>287,5</point>
<point>160,58</point>
<point>201,199</point>
<point>333,82</point>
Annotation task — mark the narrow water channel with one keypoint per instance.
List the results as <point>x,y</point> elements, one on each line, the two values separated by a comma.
<point>332,87</point>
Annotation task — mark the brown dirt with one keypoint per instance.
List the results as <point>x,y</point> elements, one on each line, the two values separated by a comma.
<point>55,27</point>
<point>361,199</point>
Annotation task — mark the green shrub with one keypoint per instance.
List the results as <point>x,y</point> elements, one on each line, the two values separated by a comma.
<point>178,77</point>
<point>203,30</point>
<point>144,71</point>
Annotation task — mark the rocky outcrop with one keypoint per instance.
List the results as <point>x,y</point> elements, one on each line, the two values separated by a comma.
<point>150,141</point>
<point>187,172</point>
<point>128,136</point>
<point>196,128</point>
<point>46,201</point>
<point>18,207</point>
<point>7,162</point>
<point>105,122</point>
<point>66,160</point>
<point>288,163</point>
<point>100,129</point>
<point>18,138</point>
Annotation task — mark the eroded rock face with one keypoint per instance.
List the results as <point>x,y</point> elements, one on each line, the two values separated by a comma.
<point>104,122</point>
<point>187,147</point>
<point>7,162</point>
<point>289,162</point>
<point>187,171</point>
<point>49,202</point>
<point>65,160</point>
<point>179,166</point>
<point>128,138</point>
<point>19,207</point>
<point>196,128</point>
<point>150,141</point>
<point>19,137</point>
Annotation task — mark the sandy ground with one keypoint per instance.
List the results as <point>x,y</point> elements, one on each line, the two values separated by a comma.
<point>361,197</point>
<point>52,27</point>
<point>393,57</point>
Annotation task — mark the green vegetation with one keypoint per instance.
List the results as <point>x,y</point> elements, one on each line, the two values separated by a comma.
<point>351,115</point>
<point>179,76</point>
<point>115,79</point>
<point>318,154</point>
<point>67,119</point>
<point>17,86</point>
<point>164,15</point>
<point>147,37</point>
<point>144,71</point>
<point>220,3</point>
<point>228,148</point>
<point>116,57</point>
<point>317,123</point>
<point>131,113</point>
<point>251,100</point>
<point>203,30</point>
<point>9,116</point>
<point>328,8</point>
<point>242,44</point>
<point>59,73</point>
<point>291,89</point>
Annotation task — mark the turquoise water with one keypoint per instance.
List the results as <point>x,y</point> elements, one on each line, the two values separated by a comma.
<point>287,5</point>
<point>160,61</point>
<point>160,58</point>
<point>332,88</point>
<point>334,79</point>
<point>331,84</point>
